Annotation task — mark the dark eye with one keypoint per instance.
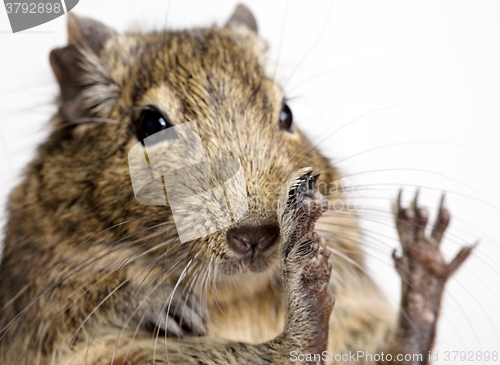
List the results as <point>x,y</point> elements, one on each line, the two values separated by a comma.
<point>150,122</point>
<point>286,118</point>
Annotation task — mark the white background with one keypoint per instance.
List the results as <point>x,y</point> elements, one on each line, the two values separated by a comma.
<point>419,80</point>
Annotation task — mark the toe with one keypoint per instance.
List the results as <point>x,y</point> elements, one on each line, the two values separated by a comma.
<point>421,218</point>
<point>442,222</point>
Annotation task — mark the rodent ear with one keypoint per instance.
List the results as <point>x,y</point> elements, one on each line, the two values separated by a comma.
<point>242,16</point>
<point>84,36</point>
<point>66,66</point>
<point>87,32</point>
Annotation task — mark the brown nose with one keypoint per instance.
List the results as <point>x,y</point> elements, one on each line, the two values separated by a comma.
<point>245,238</point>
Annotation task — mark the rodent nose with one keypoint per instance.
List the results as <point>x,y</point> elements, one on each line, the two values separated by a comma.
<point>245,238</point>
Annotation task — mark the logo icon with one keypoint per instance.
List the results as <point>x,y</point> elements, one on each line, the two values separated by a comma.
<point>171,168</point>
<point>26,14</point>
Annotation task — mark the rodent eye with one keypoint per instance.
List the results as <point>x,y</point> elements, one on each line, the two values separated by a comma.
<point>150,122</point>
<point>286,118</point>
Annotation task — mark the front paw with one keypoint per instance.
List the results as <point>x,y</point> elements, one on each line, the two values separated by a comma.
<point>306,267</point>
<point>303,207</point>
<point>315,277</point>
<point>424,273</point>
<point>182,314</point>
<point>422,264</point>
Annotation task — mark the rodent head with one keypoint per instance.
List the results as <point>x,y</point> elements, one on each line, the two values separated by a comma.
<point>119,88</point>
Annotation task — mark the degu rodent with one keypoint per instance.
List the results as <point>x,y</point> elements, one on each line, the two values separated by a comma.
<point>91,276</point>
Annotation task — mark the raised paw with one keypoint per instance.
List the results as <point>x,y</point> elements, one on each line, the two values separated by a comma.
<point>424,273</point>
<point>309,302</point>
<point>316,274</point>
<point>306,269</point>
<point>303,208</point>
<point>421,255</point>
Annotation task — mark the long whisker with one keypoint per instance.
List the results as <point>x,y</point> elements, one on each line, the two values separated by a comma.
<point>71,272</point>
<point>152,265</point>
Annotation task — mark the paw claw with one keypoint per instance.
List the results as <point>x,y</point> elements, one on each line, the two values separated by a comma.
<point>312,181</point>
<point>414,204</point>
<point>442,222</point>
<point>400,194</point>
<point>441,202</point>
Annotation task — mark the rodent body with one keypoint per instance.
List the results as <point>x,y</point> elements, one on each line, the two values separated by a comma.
<point>88,273</point>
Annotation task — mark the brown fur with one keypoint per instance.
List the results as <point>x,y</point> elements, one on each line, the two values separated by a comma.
<point>80,252</point>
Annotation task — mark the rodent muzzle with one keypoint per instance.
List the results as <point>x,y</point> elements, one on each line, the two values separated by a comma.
<point>246,238</point>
